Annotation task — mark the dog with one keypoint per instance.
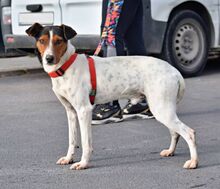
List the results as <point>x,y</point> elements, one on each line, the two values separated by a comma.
<point>116,78</point>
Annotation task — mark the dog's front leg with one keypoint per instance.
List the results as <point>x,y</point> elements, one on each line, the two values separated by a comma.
<point>84,116</point>
<point>72,124</point>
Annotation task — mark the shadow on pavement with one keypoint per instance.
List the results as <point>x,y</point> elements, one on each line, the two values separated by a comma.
<point>212,67</point>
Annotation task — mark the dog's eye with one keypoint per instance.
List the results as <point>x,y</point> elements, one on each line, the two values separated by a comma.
<point>41,41</point>
<point>58,42</point>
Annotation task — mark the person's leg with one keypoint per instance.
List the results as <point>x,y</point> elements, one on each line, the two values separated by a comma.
<point>134,36</point>
<point>109,112</point>
<point>127,18</point>
<point>130,33</point>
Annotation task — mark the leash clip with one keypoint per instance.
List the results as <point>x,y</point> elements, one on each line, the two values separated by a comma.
<point>93,92</point>
<point>60,72</point>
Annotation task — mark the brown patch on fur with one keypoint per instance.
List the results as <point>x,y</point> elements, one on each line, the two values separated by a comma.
<point>42,44</point>
<point>59,47</point>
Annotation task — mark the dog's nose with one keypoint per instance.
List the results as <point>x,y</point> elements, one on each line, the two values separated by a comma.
<point>49,58</point>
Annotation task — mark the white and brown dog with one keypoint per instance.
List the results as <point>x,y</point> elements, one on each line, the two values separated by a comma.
<point>117,77</point>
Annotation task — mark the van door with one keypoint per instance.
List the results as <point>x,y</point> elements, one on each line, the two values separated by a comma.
<point>26,12</point>
<point>82,15</point>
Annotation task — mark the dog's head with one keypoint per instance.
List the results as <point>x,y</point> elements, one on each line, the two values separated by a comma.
<point>51,41</point>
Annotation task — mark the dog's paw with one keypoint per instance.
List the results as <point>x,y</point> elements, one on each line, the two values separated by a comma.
<point>64,161</point>
<point>166,153</point>
<point>79,166</point>
<point>191,164</point>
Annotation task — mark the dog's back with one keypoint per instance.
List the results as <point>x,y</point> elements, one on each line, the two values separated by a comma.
<point>131,76</point>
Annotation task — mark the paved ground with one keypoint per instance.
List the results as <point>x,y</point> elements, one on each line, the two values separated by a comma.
<point>19,66</point>
<point>33,135</point>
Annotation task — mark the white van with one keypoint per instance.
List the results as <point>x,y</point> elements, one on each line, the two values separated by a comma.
<point>182,32</point>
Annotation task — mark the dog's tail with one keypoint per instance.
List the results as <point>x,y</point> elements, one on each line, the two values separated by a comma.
<point>181,90</point>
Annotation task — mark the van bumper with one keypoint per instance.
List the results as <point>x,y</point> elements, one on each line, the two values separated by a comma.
<point>85,42</point>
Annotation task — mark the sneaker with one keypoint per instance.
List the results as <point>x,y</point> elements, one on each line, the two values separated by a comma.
<point>106,113</point>
<point>139,110</point>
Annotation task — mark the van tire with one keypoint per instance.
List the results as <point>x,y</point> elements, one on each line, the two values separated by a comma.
<point>186,43</point>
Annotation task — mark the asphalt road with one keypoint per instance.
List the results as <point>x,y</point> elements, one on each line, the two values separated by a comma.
<point>33,135</point>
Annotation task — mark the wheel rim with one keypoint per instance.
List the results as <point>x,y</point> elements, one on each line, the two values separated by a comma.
<point>188,44</point>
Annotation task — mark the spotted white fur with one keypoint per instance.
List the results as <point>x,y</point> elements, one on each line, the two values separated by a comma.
<point>119,77</point>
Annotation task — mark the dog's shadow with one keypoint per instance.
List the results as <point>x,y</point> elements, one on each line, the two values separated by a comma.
<point>126,161</point>
<point>116,159</point>
<point>123,160</point>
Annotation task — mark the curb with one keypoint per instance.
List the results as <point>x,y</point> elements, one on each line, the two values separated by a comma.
<point>18,72</point>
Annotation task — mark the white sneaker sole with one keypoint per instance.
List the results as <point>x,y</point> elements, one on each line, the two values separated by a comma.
<point>106,121</point>
<point>136,116</point>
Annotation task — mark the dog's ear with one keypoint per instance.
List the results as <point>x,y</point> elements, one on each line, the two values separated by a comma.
<point>68,32</point>
<point>34,30</point>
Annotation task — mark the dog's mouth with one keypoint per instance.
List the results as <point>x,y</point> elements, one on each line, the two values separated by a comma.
<point>51,63</point>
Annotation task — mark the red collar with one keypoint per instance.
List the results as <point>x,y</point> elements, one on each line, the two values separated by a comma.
<point>64,67</point>
<point>68,63</point>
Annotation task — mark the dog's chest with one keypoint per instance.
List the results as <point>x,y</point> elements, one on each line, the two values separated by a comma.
<point>64,86</point>
<point>60,86</point>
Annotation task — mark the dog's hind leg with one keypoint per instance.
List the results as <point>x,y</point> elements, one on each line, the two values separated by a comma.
<point>174,140</point>
<point>189,135</point>
<point>162,104</point>
<point>171,120</point>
